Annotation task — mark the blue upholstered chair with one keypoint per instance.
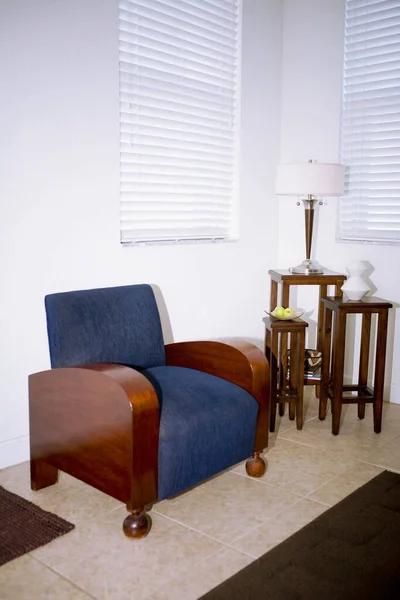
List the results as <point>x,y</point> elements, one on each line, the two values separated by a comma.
<point>137,419</point>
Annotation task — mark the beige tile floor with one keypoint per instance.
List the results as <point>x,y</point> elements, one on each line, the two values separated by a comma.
<point>207,534</point>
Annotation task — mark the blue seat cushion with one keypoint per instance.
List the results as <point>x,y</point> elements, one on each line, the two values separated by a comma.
<point>207,425</point>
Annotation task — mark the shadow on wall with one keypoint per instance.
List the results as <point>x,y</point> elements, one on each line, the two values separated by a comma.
<point>164,316</point>
<point>369,269</point>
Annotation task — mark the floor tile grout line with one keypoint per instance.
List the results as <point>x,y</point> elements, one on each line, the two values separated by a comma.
<point>202,561</point>
<point>319,446</point>
<point>338,452</point>
<point>258,480</point>
<point>62,576</point>
<point>191,528</point>
<point>385,468</point>
<point>265,521</point>
<point>327,483</point>
<point>222,544</point>
<point>282,489</point>
<point>335,454</point>
<point>273,517</point>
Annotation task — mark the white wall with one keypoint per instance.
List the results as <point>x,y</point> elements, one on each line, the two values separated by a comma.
<point>59,190</point>
<point>311,99</point>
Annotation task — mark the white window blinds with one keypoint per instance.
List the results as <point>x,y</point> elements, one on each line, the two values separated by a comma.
<point>370,209</point>
<point>179,111</point>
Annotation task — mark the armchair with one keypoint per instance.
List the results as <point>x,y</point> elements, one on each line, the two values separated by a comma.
<point>136,419</point>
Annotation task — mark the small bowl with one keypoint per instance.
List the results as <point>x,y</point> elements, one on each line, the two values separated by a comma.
<point>291,317</point>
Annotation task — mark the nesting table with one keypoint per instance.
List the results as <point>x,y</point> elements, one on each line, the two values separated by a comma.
<point>286,279</point>
<point>333,353</point>
<point>285,388</point>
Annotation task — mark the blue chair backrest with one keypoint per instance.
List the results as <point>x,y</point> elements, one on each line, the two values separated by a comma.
<point>112,325</point>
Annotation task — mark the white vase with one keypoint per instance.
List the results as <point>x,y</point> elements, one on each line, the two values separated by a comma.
<point>355,287</point>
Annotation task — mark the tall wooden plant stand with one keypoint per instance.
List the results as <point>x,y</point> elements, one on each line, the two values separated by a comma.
<point>333,355</point>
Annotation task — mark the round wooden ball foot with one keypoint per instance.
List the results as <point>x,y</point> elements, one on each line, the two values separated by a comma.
<point>256,466</point>
<point>137,524</point>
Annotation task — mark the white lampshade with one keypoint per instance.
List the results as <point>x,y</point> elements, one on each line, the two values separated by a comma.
<point>317,179</point>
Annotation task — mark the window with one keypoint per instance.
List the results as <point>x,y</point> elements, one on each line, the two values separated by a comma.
<point>179,119</point>
<point>370,209</point>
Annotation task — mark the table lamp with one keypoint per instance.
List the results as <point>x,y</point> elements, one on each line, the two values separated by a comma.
<point>309,179</point>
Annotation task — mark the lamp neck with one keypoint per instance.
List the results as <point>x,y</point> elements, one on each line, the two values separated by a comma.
<point>309,221</point>
<point>309,202</point>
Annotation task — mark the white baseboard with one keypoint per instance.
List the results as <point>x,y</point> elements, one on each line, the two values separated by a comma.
<point>14,452</point>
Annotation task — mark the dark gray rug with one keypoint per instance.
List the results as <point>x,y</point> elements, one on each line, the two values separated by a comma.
<point>24,526</point>
<point>350,552</point>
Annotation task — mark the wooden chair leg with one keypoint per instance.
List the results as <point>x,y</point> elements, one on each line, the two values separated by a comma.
<point>256,465</point>
<point>42,474</point>
<point>137,524</point>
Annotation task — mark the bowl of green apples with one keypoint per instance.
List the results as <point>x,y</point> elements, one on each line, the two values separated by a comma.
<point>285,314</point>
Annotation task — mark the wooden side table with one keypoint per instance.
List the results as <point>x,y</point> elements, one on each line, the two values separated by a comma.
<point>333,354</point>
<point>282,388</point>
<point>286,279</point>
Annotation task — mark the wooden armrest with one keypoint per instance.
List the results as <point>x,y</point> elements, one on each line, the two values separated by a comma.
<point>230,358</point>
<point>100,423</point>
<point>233,359</point>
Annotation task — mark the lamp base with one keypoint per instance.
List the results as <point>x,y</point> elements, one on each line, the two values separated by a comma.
<point>308,267</point>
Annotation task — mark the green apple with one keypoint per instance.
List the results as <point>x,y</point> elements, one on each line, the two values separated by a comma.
<point>279,311</point>
<point>289,311</point>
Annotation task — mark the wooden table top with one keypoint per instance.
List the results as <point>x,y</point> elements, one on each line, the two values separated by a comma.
<point>326,278</point>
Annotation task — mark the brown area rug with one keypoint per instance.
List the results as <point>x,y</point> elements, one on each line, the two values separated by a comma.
<point>24,526</point>
<point>350,552</point>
